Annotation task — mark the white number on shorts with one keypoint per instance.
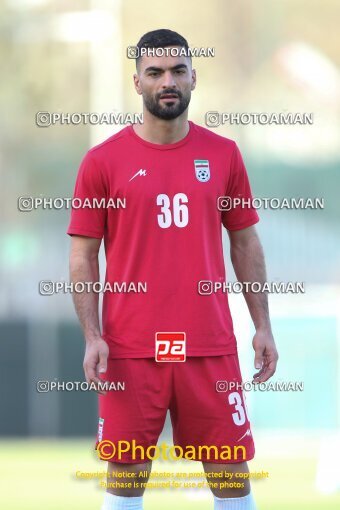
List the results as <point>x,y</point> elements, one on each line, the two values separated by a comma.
<point>180,210</point>
<point>239,417</point>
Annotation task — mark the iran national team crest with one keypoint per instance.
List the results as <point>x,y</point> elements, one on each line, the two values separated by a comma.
<point>100,429</point>
<point>202,170</point>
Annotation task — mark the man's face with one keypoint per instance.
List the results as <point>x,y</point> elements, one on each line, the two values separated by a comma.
<point>165,83</point>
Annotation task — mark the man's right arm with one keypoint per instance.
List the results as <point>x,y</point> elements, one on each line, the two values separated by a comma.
<point>84,267</point>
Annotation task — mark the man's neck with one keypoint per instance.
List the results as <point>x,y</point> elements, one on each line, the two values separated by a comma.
<point>161,131</point>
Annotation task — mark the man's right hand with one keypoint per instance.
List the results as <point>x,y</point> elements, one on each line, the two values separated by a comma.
<point>95,361</point>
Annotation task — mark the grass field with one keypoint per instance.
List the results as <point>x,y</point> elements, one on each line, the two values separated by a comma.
<point>41,475</point>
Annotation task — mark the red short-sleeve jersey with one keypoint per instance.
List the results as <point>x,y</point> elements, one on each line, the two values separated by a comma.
<point>165,236</point>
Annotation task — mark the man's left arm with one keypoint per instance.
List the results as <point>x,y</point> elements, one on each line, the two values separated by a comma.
<point>248,261</point>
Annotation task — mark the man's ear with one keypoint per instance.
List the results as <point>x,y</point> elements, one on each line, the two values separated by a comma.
<point>193,79</point>
<point>137,84</point>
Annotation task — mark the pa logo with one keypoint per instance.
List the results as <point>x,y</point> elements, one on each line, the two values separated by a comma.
<point>202,170</point>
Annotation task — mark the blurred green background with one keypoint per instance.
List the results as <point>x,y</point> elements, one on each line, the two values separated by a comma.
<point>63,56</point>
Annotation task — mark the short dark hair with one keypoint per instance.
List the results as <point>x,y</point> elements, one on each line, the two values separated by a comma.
<point>161,38</point>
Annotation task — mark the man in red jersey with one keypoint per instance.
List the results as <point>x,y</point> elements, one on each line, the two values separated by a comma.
<point>172,341</point>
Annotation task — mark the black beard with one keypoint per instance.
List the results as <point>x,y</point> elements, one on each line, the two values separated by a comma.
<point>169,111</point>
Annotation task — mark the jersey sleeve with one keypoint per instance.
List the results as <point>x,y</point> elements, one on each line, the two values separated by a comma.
<point>88,217</point>
<point>241,215</point>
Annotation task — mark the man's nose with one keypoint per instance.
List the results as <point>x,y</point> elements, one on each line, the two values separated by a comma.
<point>168,80</point>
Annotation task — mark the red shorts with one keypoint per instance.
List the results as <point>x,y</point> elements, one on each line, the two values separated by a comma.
<point>204,412</point>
